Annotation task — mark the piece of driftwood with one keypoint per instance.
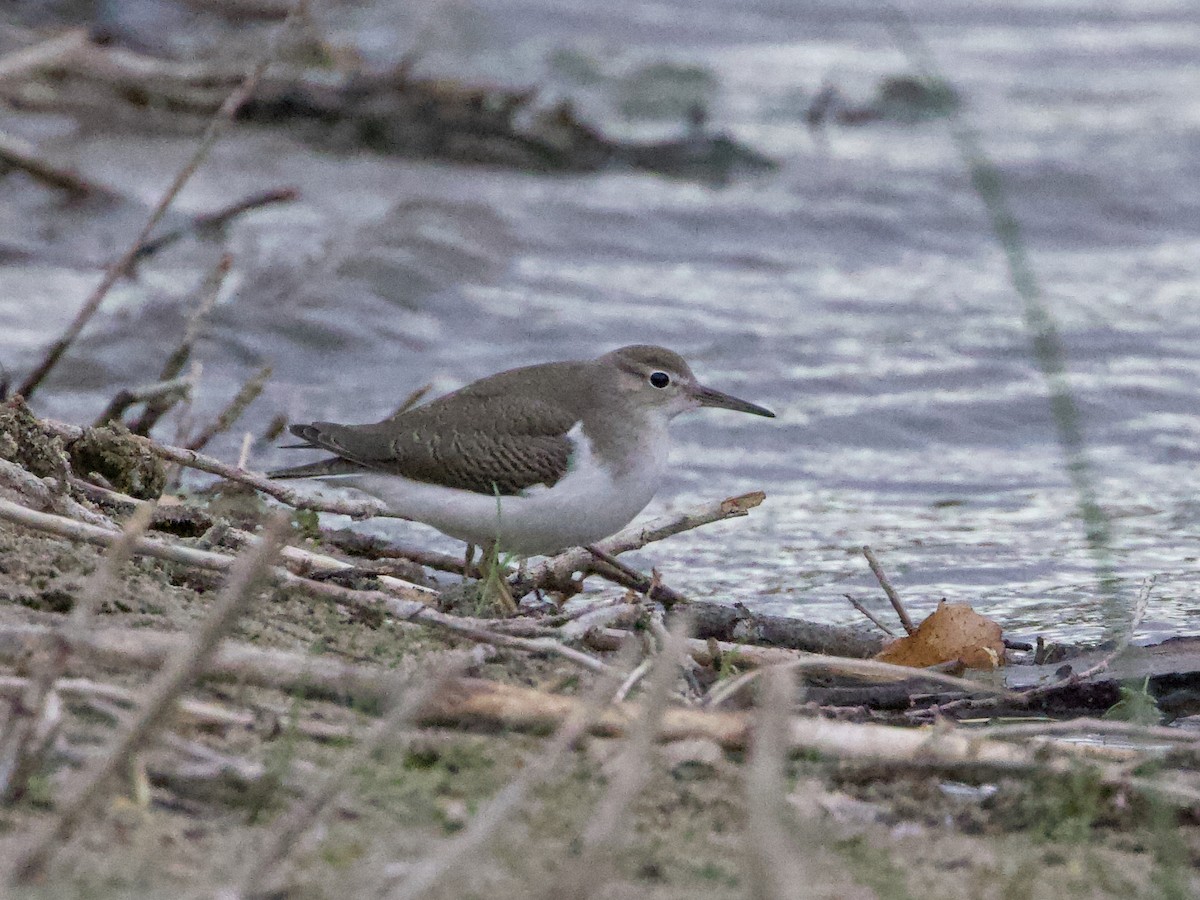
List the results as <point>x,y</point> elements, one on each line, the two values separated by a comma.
<point>1088,683</point>
<point>36,491</point>
<point>388,110</point>
<point>737,623</point>
<point>475,702</point>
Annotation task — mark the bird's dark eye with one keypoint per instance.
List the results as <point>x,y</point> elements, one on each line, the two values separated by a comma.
<point>660,379</point>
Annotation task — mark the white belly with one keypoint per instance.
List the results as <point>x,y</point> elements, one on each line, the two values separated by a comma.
<point>589,503</point>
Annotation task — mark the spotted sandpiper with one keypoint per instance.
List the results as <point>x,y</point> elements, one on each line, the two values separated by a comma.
<point>537,459</point>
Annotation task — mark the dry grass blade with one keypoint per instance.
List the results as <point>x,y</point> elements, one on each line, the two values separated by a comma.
<point>1126,637</point>
<point>774,869</point>
<point>305,814</point>
<point>430,871</point>
<point>175,676</point>
<point>216,127</point>
<point>246,395</point>
<point>28,733</point>
<point>632,772</point>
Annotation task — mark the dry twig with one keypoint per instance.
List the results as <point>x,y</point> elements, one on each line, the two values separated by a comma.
<point>870,615</point>
<point>22,155</point>
<point>555,573</point>
<point>189,711</point>
<point>208,291</point>
<point>161,393</point>
<point>897,603</point>
<point>217,219</point>
<point>246,395</point>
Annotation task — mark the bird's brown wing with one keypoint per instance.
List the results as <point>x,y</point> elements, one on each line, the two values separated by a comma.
<point>463,447</point>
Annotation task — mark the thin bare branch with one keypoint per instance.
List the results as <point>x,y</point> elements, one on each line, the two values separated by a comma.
<point>217,219</point>
<point>629,577</point>
<point>216,127</point>
<point>870,615</point>
<point>555,573</point>
<point>162,392</point>
<point>20,154</point>
<point>882,578</point>
<point>207,293</point>
<point>233,411</point>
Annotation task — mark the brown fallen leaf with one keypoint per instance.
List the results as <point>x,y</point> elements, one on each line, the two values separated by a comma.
<point>953,632</point>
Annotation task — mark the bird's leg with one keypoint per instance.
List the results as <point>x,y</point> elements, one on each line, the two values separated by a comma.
<point>496,589</point>
<point>468,561</point>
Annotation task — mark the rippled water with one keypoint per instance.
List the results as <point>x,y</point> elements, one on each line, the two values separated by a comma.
<point>858,290</point>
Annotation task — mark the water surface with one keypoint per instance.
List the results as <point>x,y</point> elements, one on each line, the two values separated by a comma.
<point>857,291</point>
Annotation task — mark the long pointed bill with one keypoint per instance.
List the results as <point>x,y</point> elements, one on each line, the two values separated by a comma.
<point>710,397</point>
